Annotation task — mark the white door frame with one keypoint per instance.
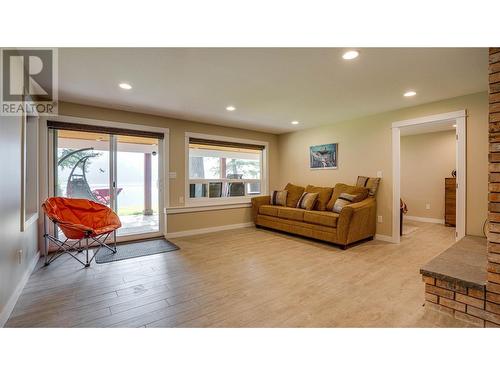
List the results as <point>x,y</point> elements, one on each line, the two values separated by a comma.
<point>46,177</point>
<point>460,119</point>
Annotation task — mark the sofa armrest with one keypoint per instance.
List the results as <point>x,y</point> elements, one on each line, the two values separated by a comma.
<point>357,221</point>
<point>257,202</point>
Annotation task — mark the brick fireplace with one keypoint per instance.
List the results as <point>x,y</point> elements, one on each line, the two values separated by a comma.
<point>493,277</point>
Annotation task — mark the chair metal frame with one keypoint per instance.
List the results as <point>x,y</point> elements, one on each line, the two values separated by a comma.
<point>63,247</point>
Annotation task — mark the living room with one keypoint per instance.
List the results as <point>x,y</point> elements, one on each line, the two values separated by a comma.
<point>257,187</point>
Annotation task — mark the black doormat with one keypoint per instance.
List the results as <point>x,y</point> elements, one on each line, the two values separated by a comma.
<point>134,250</point>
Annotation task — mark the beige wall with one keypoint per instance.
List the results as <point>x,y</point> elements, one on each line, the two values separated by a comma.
<point>178,128</point>
<point>365,148</point>
<point>198,220</point>
<point>11,238</point>
<point>426,160</point>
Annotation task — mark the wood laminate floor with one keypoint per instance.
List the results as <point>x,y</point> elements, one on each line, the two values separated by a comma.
<point>242,278</point>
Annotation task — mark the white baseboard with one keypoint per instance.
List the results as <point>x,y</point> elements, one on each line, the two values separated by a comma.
<point>383,237</point>
<point>11,303</point>
<point>194,232</point>
<point>424,219</point>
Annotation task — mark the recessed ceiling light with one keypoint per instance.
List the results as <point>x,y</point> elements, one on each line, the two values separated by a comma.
<point>230,108</point>
<point>409,93</point>
<point>349,55</point>
<point>125,86</point>
<point>295,122</point>
<point>454,125</point>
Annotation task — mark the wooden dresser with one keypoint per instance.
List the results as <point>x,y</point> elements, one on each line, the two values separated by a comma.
<point>450,199</point>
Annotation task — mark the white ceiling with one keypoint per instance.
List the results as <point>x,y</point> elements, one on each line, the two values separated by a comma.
<point>270,87</point>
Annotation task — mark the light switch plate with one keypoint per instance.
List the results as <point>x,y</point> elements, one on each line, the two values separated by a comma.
<point>379,218</point>
<point>379,174</point>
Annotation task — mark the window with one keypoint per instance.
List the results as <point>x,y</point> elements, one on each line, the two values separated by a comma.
<point>222,169</point>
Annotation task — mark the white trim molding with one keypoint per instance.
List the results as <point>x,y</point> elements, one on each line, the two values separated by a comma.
<point>194,232</point>
<point>213,207</point>
<point>46,177</point>
<point>383,237</point>
<point>11,303</point>
<point>459,117</point>
<point>425,219</point>
<point>448,116</point>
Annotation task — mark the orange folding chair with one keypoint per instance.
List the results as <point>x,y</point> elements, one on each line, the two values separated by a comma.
<point>79,220</point>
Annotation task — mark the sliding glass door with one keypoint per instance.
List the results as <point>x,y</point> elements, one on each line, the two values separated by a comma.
<point>137,192</point>
<point>120,171</point>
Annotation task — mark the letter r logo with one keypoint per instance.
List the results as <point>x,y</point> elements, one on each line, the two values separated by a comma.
<point>27,72</point>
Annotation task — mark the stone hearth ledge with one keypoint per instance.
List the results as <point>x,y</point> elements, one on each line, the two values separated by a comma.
<point>464,263</point>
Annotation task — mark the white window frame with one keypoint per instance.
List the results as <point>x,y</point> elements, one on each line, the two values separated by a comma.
<point>264,173</point>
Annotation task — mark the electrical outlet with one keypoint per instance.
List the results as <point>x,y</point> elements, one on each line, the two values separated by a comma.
<point>427,206</point>
<point>181,199</point>
<point>379,218</point>
<point>20,256</point>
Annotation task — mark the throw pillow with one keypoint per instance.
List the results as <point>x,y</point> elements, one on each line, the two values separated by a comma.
<point>371,183</point>
<point>343,200</point>
<point>278,197</point>
<point>359,191</point>
<point>307,201</point>
<point>324,195</point>
<point>294,194</point>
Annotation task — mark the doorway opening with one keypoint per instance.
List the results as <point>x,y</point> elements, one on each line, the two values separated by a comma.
<point>453,188</point>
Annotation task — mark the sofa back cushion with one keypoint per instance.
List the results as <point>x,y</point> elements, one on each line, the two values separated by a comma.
<point>278,197</point>
<point>324,195</point>
<point>360,192</point>
<point>371,183</point>
<point>293,195</point>
<point>307,201</point>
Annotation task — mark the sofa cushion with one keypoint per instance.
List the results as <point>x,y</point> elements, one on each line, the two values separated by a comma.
<point>324,195</point>
<point>325,218</point>
<point>278,197</point>
<point>269,210</point>
<point>371,183</point>
<point>359,191</point>
<point>343,201</point>
<point>294,194</point>
<point>307,201</point>
<point>290,213</point>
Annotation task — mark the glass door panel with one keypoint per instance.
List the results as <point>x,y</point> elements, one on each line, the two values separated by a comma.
<point>83,166</point>
<point>137,186</point>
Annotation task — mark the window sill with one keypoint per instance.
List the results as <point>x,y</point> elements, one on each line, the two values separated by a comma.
<point>209,206</point>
